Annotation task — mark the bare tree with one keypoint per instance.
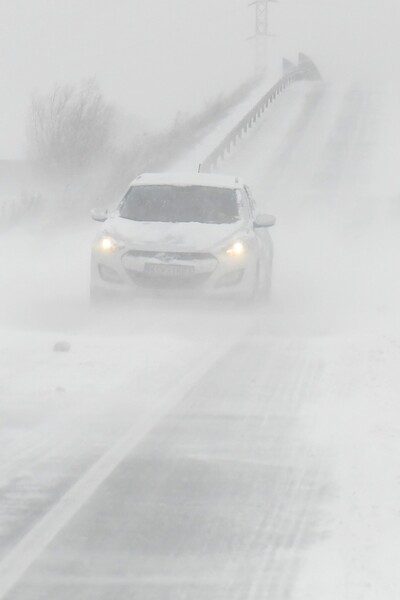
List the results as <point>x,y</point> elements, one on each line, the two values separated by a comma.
<point>70,129</point>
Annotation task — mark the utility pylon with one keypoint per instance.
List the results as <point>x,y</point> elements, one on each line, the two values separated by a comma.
<point>261,35</point>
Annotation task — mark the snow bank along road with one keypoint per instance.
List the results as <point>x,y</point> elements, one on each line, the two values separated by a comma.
<point>210,452</point>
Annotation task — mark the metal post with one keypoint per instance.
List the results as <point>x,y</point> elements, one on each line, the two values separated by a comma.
<point>261,35</point>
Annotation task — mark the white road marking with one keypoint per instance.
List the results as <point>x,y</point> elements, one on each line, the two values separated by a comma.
<point>16,563</point>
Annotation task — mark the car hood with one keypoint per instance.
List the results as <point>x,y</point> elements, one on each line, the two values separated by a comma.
<point>171,236</point>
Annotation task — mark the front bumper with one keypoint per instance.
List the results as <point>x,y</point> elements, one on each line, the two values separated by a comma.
<point>142,272</point>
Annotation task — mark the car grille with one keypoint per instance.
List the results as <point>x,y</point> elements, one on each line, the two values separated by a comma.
<point>169,256</point>
<point>147,280</point>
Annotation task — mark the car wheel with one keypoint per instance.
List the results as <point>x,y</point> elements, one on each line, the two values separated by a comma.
<point>253,291</point>
<point>98,296</point>
<point>267,289</point>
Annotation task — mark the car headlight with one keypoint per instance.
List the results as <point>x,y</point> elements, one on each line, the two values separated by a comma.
<point>107,244</point>
<point>237,249</point>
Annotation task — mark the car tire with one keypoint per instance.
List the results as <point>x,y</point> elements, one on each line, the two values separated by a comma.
<point>98,296</point>
<point>252,294</point>
<point>267,290</point>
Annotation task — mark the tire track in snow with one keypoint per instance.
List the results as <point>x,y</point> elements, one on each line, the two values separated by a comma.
<point>282,532</point>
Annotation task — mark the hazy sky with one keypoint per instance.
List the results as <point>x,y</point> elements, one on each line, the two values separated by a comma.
<point>154,57</point>
<point>150,57</point>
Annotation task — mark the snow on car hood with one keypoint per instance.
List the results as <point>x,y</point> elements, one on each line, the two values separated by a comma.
<point>171,236</point>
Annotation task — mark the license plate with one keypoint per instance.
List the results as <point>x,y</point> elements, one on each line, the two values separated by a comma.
<point>162,270</point>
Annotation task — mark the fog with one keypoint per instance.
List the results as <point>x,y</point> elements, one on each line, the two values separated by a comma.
<point>183,447</point>
<point>349,40</point>
<point>156,58</point>
<point>152,59</point>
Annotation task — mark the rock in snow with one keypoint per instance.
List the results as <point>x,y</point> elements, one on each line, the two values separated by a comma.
<point>62,346</point>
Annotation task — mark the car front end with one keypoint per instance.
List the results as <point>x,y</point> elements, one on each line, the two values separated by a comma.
<point>172,233</point>
<point>121,267</point>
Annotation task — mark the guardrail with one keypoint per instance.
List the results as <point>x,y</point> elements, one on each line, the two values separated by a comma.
<point>305,70</point>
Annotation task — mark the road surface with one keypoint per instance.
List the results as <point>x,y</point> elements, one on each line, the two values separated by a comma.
<point>195,452</point>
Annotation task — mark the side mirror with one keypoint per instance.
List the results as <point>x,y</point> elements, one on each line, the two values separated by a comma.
<point>99,214</point>
<point>264,221</point>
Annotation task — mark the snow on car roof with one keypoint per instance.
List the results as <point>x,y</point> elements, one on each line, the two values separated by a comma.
<point>188,179</point>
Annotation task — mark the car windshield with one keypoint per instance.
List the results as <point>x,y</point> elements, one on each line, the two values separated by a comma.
<point>180,204</point>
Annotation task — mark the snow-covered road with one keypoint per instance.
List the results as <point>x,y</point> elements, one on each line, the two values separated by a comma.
<point>208,451</point>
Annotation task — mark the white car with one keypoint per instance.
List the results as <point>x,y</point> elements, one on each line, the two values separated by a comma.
<point>198,233</point>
